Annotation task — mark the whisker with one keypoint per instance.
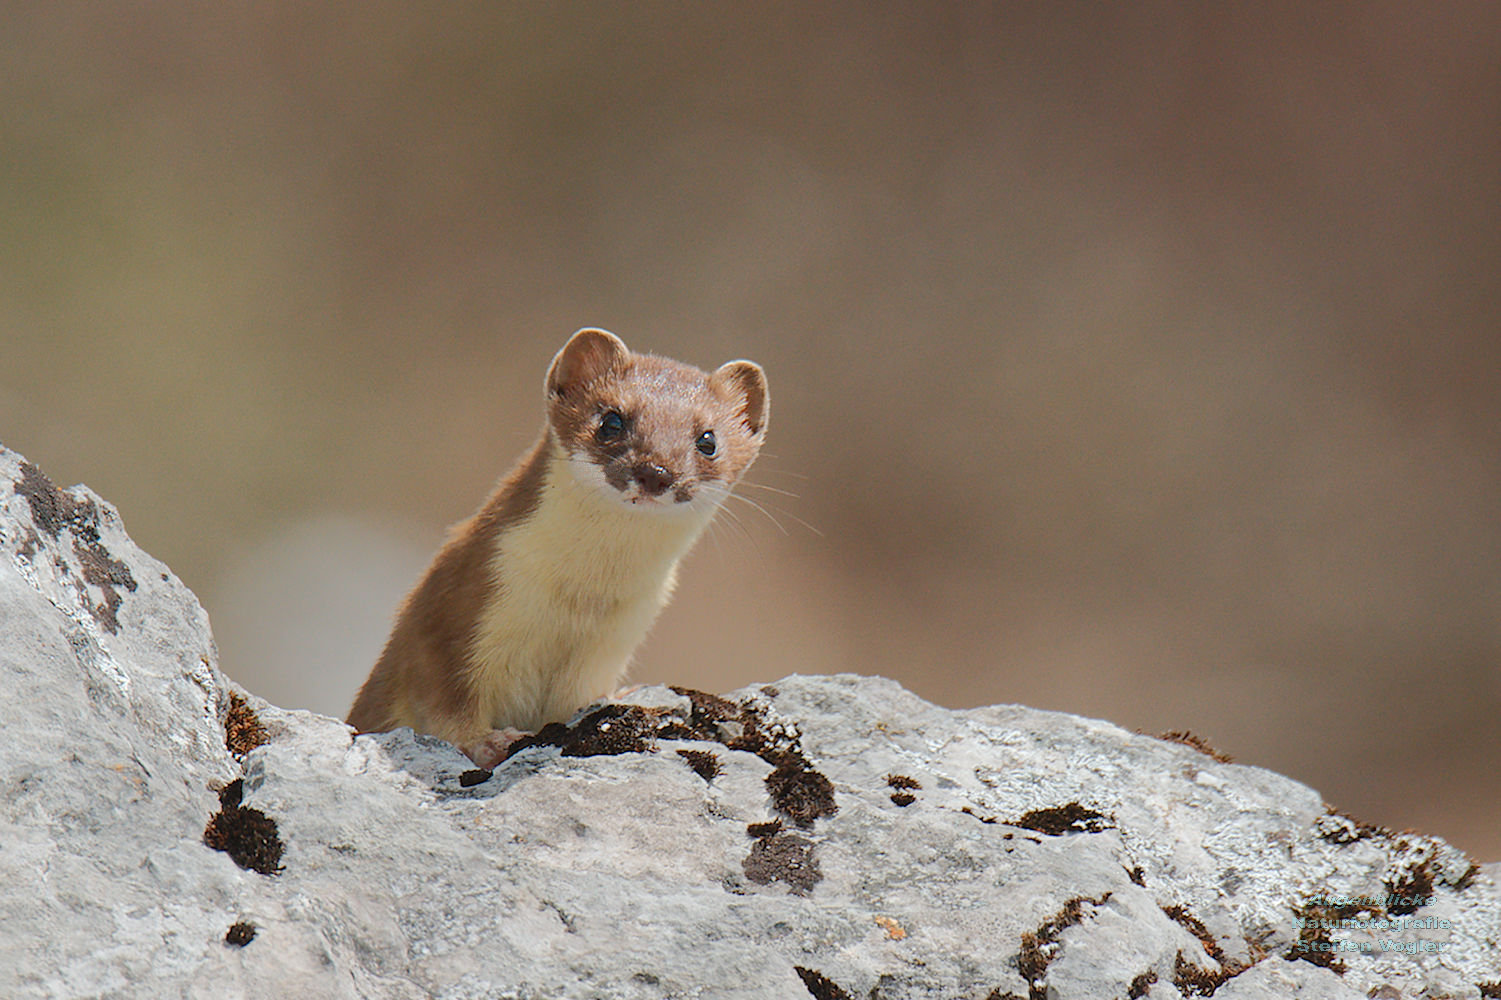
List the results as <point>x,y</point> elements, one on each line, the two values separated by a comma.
<point>763,510</point>
<point>754,506</point>
<point>767,508</point>
<point>770,489</point>
<point>715,533</point>
<point>732,521</point>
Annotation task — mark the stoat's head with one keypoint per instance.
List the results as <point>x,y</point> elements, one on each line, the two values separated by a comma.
<point>652,433</point>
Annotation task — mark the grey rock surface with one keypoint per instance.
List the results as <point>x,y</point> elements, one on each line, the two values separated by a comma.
<point>823,836</point>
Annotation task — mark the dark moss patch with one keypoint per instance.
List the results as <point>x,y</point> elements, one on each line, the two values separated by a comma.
<point>1489,990</point>
<point>474,776</point>
<point>1040,947</point>
<point>1032,961</point>
<point>1337,828</point>
<point>554,734</point>
<point>786,858</point>
<point>904,786</point>
<point>1196,742</point>
<point>232,794</point>
<point>1070,818</point>
<point>797,789</point>
<point>800,794</point>
<point>606,731</point>
<point>52,510</point>
<point>240,934</point>
<point>738,726</point>
<point>243,731</point>
<point>819,986</point>
<point>247,835</point>
<point>1412,879</point>
<point>1316,920</point>
<point>704,763</point>
<point>708,715</point>
<point>1140,985</point>
<point>1137,876</point>
<point>1190,979</point>
<point>1193,981</point>
<point>1411,889</point>
<point>1196,927</point>
<point>611,730</point>
<point>996,994</point>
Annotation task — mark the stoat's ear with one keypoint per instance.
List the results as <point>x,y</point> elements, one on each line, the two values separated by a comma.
<point>745,381</point>
<point>589,354</point>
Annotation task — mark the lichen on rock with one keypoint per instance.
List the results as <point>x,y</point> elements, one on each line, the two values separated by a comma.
<point>1018,853</point>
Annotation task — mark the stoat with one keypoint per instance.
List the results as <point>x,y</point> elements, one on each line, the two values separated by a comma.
<point>534,605</point>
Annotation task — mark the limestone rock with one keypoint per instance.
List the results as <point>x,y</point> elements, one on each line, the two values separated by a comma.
<point>819,836</point>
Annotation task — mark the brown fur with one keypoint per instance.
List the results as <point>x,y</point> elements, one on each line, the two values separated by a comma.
<point>428,673</point>
<point>415,676</point>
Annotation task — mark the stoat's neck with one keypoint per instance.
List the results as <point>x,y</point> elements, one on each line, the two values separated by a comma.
<point>575,585</point>
<point>581,534</point>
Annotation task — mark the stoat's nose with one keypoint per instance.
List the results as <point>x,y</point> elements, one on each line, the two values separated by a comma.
<point>654,479</point>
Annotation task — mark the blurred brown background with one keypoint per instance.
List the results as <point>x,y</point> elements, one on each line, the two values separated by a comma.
<point>1140,362</point>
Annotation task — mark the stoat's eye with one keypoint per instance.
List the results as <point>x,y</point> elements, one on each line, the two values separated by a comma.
<point>611,426</point>
<point>706,444</point>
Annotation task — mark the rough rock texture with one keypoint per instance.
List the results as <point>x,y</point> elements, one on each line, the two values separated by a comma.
<point>822,836</point>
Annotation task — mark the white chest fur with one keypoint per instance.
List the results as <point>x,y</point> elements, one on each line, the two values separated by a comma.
<point>576,586</point>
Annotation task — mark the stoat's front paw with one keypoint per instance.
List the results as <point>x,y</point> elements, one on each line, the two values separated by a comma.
<point>492,748</point>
